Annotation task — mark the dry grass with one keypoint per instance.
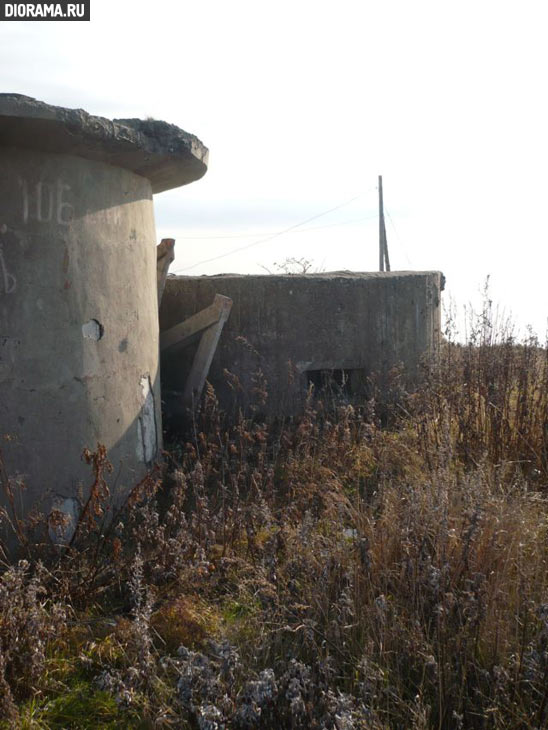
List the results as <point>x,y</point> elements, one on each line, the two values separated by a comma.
<point>331,573</point>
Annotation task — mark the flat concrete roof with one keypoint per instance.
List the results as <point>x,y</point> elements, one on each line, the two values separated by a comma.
<point>324,275</point>
<point>161,152</point>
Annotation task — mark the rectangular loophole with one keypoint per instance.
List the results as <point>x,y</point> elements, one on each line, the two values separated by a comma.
<point>342,382</point>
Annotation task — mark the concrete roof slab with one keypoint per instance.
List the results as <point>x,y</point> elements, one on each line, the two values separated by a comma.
<point>161,152</point>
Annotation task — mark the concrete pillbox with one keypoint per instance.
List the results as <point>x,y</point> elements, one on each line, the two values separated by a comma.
<point>303,329</point>
<point>78,303</point>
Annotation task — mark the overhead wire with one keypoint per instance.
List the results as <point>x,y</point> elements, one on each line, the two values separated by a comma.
<point>302,230</point>
<point>272,236</point>
<point>398,236</point>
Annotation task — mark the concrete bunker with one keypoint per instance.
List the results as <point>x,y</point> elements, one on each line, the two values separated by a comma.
<point>330,330</point>
<point>81,280</point>
<point>79,330</point>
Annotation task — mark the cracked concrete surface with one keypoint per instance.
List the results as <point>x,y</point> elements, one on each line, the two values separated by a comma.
<point>163,153</point>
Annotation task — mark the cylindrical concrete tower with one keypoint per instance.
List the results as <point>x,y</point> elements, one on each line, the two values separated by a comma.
<point>78,303</point>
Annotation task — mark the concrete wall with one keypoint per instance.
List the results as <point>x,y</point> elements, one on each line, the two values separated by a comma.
<point>78,322</point>
<point>79,361</point>
<point>293,324</point>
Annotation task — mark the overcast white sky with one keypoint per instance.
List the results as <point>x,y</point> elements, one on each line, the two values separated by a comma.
<point>302,104</point>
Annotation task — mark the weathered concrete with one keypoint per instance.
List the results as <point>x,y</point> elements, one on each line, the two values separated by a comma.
<point>164,154</point>
<point>294,326</point>
<point>78,292</point>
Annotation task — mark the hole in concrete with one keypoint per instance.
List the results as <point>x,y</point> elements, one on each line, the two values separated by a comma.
<point>93,330</point>
<point>341,383</point>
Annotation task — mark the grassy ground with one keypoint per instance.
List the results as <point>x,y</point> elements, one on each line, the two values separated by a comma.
<point>377,565</point>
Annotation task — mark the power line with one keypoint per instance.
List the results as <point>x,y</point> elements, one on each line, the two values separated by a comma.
<point>302,230</point>
<point>398,237</point>
<point>334,225</point>
<point>271,237</point>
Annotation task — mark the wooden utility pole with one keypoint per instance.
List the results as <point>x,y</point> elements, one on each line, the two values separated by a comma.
<point>384,261</point>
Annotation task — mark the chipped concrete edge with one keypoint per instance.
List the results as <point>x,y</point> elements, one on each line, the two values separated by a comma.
<point>166,154</point>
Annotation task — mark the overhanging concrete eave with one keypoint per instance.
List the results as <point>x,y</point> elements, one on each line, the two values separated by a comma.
<point>161,152</point>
